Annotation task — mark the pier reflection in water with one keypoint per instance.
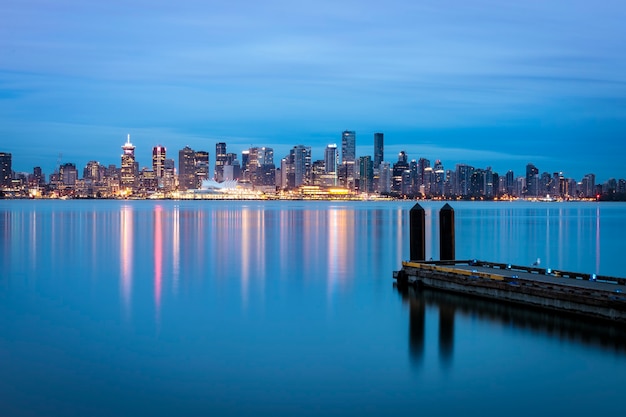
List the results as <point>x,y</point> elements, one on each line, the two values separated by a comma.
<point>423,302</point>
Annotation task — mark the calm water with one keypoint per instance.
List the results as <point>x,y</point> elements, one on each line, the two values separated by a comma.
<point>114,308</point>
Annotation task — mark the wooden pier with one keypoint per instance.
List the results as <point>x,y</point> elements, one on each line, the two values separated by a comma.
<point>590,295</point>
<point>585,294</point>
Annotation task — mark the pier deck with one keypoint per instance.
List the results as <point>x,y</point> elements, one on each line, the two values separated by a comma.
<point>590,295</point>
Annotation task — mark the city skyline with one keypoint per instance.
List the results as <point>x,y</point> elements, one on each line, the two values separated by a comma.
<point>481,84</point>
<point>257,170</point>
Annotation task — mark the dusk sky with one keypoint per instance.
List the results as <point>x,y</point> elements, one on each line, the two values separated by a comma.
<point>487,83</point>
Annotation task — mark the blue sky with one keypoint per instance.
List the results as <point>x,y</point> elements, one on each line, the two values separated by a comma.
<point>488,83</point>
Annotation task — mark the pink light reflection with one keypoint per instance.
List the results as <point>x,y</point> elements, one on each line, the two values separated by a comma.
<point>158,258</point>
<point>126,256</point>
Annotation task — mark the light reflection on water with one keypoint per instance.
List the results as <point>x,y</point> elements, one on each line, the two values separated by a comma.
<point>289,308</point>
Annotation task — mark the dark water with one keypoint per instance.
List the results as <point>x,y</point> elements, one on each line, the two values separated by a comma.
<point>112,308</point>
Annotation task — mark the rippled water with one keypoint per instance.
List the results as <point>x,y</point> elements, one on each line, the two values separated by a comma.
<point>282,308</point>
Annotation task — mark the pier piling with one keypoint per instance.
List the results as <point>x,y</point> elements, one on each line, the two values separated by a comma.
<point>446,233</point>
<point>417,220</point>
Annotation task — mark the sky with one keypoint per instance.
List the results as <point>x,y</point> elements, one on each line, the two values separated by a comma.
<point>487,83</point>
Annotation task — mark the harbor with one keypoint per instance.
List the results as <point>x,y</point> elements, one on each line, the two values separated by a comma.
<point>590,295</point>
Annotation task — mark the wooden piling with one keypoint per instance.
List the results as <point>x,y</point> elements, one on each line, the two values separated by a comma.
<point>417,219</point>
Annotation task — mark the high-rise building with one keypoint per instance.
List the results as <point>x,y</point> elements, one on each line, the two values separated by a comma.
<point>221,158</point>
<point>260,166</point>
<point>6,172</point>
<point>366,174</point>
<point>348,158</point>
<point>532,180</point>
<point>93,172</point>
<point>301,164</point>
<point>331,158</point>
<point>128,172</point>
<point>384,181</point>
<point>379,149</point>
<point>186,169</point>
<point>68,174</point>
<point>398,172</point>
<point>463,179</point>
<point>331,165</point>
<point>158,161</point>
<point>509,183</point>
<point>201,159</point>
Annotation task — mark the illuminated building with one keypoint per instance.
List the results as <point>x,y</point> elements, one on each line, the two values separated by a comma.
<point>158,161</point>
<point>128,174</point>
<point>6,173</point>
<point>366,174</point>
<point>186,169</point>
<point>201,159</point>
<point>220,161</point>
<point>348,158</point>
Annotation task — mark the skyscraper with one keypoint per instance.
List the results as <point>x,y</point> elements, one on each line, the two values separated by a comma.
<point>158,160</point>
<point>366,174</point>
<point>128,172</point>
<point>201,162</point>
<point>532,180</point>
<point>301,164</point>
<point>348,157</point>
<point>220,160</point>
<point>6,173</point>
<point>379,149</point>
<point>331,159</point>
<point>186,169</point>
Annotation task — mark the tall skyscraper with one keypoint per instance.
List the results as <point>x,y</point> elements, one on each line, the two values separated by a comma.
<point>201,161</point>
<point>384,181</point>
<point>348,157</point>
<point>128,172</point>
<point>379,149</point>
<point>6,173</point>
<point>366,174</point>
<point>186,169</point>
<point>158,160</point>
<point>532,180</point>
<point>221,158</point>
<point>331,159</point>
<point>301,164</point>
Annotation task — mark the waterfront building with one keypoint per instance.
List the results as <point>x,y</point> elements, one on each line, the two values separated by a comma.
<point>128,173</point>
<point>186,169</point>
<point>532,181</point>
<point>318,171</point>
<point>221,159</point>
<point>201,162</point>
<point>148,181</point>
<point>384,180</point>
<point>169,175</point>
<point>348,158</point>
<point>509,183</point>
<point>588,186</point>
<point>463,180</point>
<point>300,156</point>
<point>366,174</point>
<point>439,179</point>
<point>158,161</point>
<point>398,171</point>
<point>379,149</point>
<point>6,170</point>
<point>68,175</point>
<point>231,171</point>
<point>39,178</point>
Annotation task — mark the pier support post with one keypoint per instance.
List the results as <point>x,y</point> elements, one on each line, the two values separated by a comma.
<point>417,218</point>
<point>446,233</point>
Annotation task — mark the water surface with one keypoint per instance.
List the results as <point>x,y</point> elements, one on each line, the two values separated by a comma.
<point>283,308</point>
